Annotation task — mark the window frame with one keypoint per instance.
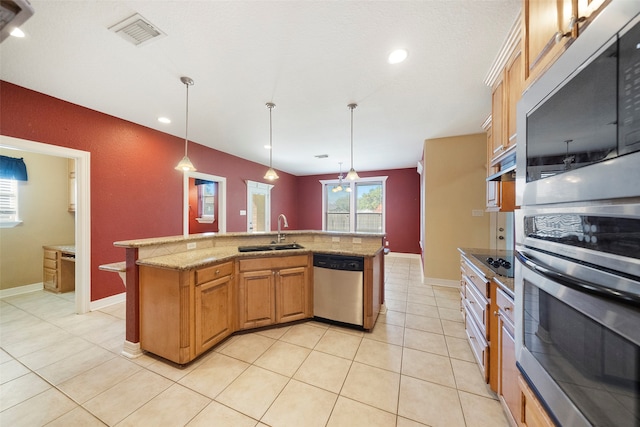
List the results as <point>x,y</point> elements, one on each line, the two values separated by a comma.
<point>353,198</point>
<point>10,220</point>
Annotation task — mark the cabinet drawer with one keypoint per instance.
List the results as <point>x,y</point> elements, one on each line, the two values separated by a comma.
<point>505,304</point>
<point>50,254</point>
<point>50,263</point>
<point>478,308</point>
<point>479,345</point>
<point>475,278</point>
<point>208,274</point>
<point>268,263</point>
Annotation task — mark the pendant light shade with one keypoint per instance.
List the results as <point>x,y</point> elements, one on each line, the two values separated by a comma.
<point>352,175</point>
<point>339,187</point>
<point>185,164</point>
<point>271,174</point>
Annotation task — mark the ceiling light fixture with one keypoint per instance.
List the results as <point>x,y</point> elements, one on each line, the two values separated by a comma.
<point>339,187</point>
<point>352,175</point>
<point>165,120</point>
<point>185,164</point>
<point>398,56</point>
<point>271,173</point>
<point>17,32</point>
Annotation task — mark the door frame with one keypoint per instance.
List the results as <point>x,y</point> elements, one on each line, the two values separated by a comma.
<point>222,199</point>
<point>83,210</point>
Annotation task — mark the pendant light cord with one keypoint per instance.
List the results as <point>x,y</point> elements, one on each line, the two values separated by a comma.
<point>186,126</point>
<point>270,139</point>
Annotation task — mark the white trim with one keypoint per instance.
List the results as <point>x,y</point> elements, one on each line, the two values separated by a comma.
<point>404,255</point>
<point>509,45</point>
<point>19,290</point>
<point>131,350</point>
<point>442,282</point>
<point>83,210</point>
<point>222,199</point>
<point>255,187</point>
<point>106,302</point>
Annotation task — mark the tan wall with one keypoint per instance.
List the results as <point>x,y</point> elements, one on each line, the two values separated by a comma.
<point>454,175</point>
<point>43,204</point>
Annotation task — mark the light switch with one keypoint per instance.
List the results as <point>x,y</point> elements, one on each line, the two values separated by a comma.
<point>243,212</point>
<point>477,212</point>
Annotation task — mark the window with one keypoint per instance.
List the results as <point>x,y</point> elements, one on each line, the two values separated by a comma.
<point>9,203</point>
<point>206,201</point>
<point>356,206</point>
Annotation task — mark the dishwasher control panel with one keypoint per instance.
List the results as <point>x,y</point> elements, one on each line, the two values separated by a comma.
<point>339,262</point>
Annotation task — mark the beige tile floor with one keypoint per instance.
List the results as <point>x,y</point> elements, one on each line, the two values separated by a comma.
<point>414,369</point>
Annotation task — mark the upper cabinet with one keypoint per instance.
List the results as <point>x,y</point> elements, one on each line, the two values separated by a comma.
<point>549,28</point>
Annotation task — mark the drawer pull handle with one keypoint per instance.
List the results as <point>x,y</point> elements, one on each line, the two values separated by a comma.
<point>507,308</point>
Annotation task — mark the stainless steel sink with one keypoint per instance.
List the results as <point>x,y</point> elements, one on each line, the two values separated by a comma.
<point>269,247</point>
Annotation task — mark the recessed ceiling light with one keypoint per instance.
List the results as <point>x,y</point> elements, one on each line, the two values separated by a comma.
<point>165,120</point>
<point>398,56</point>
<point>17,32</point>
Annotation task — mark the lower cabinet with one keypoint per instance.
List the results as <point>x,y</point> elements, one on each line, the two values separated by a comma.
<point>213,306</point>
<point>508,388</point>
<point>532,413</point>
<point>185,312</point>
<point>273,290</point>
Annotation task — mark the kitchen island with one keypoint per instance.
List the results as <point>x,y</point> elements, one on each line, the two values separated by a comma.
<point>186,294</point>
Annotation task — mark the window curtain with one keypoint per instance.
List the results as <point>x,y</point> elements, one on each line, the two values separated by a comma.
<point>12,168</point>
<point>202,181</point>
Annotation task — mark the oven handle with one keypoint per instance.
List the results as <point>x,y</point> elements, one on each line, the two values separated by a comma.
<point>577,284</point>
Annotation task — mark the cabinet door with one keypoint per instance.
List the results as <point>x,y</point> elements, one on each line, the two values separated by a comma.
<point>256,305</point>
<point>514,74</point>
<point>497,123</point>
<point>213,312</point>
<point>291,294</point>
<point>508,372</point>
<point>547,33</point>
<point>587,11</point>
<point>50,276</point>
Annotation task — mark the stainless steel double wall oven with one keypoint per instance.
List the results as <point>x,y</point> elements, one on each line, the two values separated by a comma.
<point>577,268</point>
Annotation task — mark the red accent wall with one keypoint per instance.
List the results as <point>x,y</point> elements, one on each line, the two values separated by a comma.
<point>402,204</point>
<point>135,190</point>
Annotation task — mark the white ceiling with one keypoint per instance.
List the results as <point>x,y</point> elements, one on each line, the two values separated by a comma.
<point>311,58</point>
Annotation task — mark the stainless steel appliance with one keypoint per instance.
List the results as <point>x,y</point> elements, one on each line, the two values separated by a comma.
<point>338,288</point>
<point>580,122</point>
<point>577,285</point>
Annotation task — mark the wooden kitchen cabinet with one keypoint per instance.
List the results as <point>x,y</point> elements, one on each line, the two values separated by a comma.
<point>475,304</point>
<point>532,414</point>
<point>213,306</point>
<point>507,372</point>
<point>498,144</point>
<point>549,28</point>
<point>273,290</point>
<point>185,312</point>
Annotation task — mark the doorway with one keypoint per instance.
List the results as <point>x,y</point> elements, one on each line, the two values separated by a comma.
<point>221,197</point>
<point>258,207</point>
<point>83,211</point>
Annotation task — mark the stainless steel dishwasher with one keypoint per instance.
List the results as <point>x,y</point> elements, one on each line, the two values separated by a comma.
<point>338,288</point>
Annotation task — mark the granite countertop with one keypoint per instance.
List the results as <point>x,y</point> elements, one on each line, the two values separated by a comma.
<point>471,254</point>
<point>202,257</point>
<point>138,243</point>
<point>67,249</point>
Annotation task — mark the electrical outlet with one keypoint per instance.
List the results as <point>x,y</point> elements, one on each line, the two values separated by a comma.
<point>191,245</point>
<point>335,239</point>
<point>357,240</point>
<point>477,212</point>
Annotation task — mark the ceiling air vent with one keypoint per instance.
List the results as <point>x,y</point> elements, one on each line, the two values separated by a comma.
<point>137,30</point>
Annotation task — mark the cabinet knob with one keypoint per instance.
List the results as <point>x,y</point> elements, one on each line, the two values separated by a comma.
<point>495,313</point>
<point>217,272</point>
<point>575,20</point>
<point>560,35</point>
<point>507,308</point>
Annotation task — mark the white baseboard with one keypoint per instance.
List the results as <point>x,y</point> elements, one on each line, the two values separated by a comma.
<point>19,290</point>
<point>106,302</point>
<point>442,282</point>
<point>132,350</point>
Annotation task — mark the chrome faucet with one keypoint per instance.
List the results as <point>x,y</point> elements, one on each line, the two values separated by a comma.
<point>281,236</point>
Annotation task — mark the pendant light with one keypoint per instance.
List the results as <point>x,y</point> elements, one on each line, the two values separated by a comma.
<point>352,175</point>
<point>271,174</point>
<point>339,187</point>
<point>185,164</point>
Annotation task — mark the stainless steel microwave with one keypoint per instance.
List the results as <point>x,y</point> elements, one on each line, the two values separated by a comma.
<point>579,124</point>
